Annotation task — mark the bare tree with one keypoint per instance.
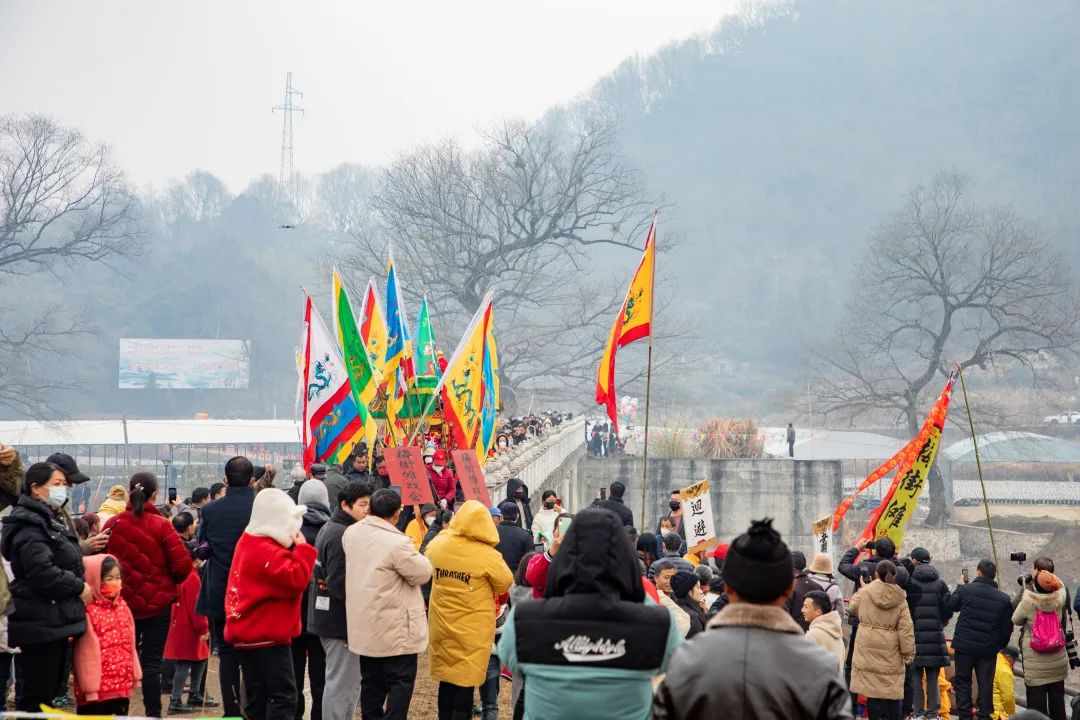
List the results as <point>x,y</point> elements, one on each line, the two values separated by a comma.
<point>945,282</point>
<point>527,215</point>
<point>62,202</point>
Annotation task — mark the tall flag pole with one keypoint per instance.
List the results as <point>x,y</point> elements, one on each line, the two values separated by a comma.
<point>363,377</point>
<point>633,322</point>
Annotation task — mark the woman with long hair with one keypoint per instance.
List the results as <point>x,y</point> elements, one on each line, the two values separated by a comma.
<point>155,561</point>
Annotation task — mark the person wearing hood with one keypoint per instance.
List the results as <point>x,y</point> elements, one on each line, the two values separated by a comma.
<point>318,472</point>
<point>48,589</point>
<point>686,592</point>
<point>326,609</point>
<point>307,650</point>
<point>1041,617</point>
<point>271,568</point>
<point>114,504</point>
<point>753,660</point>
<point>928,601</point>
<point>385,610</point>
<point>824,626</point>
<point>442,480</point>
<point>591,647</point>
<point>468,575</point>
<point>105,661</point>
<point>517,492</point>
<point>885,643</point>
<point>223,523</point>
<point>155,562</point>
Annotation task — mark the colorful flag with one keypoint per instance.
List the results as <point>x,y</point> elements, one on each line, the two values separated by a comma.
<point>698,517</point>
<point>399,371</point>
<point>463,383</point>
<point>332,421</point>
<point>362,376</point>
<point>633,322</point>
<point>486,438</point>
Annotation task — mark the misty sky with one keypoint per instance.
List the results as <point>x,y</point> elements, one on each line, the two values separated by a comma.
<point>175,86</point>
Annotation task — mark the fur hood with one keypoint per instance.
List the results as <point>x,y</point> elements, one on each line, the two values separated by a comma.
<point>1046,602</point>
<point>766,617</point>
<point>829,623</point>
<point>11,477</point>
<point>276,516</point>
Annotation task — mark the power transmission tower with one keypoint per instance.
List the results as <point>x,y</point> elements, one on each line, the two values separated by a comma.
<point>286,178</point>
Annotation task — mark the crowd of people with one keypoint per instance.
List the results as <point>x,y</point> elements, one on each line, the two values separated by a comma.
<point>334,586</point>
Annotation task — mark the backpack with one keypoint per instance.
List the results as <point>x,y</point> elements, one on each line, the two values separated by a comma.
<point>1046,633</point>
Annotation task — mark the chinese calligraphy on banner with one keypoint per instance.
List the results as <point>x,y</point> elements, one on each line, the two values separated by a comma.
<point>698,517</point>
<point>823,540</point>
<point>471,476</point>
<point>406,468</point>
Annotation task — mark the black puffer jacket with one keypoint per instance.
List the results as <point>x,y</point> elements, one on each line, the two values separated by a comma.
<point>868,567</point>
<point>985,623</point>
<point>928,601</point>
<point>47,564</point>
<point>526,515</point>
<point>316,516</point>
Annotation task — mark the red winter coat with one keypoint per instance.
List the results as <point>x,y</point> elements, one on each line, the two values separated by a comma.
<point>187,630</point>
<point>153,558</point>
<point>444,484</point>
<point>266,585</point>
<point>537,574</point>
<point>105,661</point>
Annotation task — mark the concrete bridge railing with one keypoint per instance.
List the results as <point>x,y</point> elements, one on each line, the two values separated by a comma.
<point>534,460</point>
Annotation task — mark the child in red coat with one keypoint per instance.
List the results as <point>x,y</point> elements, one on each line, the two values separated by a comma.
<point>271,568</point>
<point>106,664</point>
<point>188,643</point>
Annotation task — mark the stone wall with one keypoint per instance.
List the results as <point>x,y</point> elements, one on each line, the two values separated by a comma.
<point>792,492</point>
<point>975,543</point>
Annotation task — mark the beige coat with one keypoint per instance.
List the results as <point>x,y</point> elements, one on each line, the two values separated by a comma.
<point>384,606</point>
<point>1040,668</point>
<point>885,642</point>
<point>682,620</point>
<point>827,632</point>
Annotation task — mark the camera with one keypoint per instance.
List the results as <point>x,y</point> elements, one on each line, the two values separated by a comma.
<point>872,545</point>
<point>1018,557</point>
<point>1070,649</point>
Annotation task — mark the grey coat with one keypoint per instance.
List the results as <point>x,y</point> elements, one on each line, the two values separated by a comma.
<point>753,663</point>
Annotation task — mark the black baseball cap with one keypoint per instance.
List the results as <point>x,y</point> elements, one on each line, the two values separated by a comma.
<point>920,555</point>
<point>69,466</point>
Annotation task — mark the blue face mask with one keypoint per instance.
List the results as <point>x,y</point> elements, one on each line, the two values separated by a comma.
<point>58,495</point>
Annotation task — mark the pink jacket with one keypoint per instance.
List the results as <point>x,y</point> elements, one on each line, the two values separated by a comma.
<point>106,664</point>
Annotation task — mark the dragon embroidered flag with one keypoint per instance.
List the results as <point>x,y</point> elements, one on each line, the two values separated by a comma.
<point>633,322</point>
<point>464,389</point>
<point>332,421</point>
<point>362,375</point>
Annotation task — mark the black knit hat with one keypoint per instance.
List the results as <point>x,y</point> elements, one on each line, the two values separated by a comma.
<point>758,564</point>
<point>682,583</point>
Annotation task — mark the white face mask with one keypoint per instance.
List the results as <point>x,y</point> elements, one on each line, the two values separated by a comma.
<point>58,495</point>
<point>438,468</point>
<point>429,521</point>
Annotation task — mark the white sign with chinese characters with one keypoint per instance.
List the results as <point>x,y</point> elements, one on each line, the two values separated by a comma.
<point>698,517</point>
<point>823,540</point>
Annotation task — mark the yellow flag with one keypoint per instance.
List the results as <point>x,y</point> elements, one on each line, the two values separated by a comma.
<point>463,382</point>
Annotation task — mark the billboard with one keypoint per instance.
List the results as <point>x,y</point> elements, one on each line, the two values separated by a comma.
<point>183,364</point>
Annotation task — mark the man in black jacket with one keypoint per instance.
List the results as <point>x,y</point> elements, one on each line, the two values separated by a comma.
<point>517,492</point>
<point>928,601</point>
<point>982,630</point>
<point>514,541</point>
<point>615,504</point>
<point>326,614</point>
<point>223,522</point>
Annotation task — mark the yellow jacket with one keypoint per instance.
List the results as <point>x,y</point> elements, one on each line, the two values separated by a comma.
<point>416,530</point>
<point>468,573</point>
<point>1004,689</point>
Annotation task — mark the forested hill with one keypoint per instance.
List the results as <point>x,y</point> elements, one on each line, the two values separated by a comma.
<point>785,137</point>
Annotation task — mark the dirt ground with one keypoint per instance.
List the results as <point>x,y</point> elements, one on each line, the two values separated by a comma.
<point>975,515</point>
<point>424,702</point>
